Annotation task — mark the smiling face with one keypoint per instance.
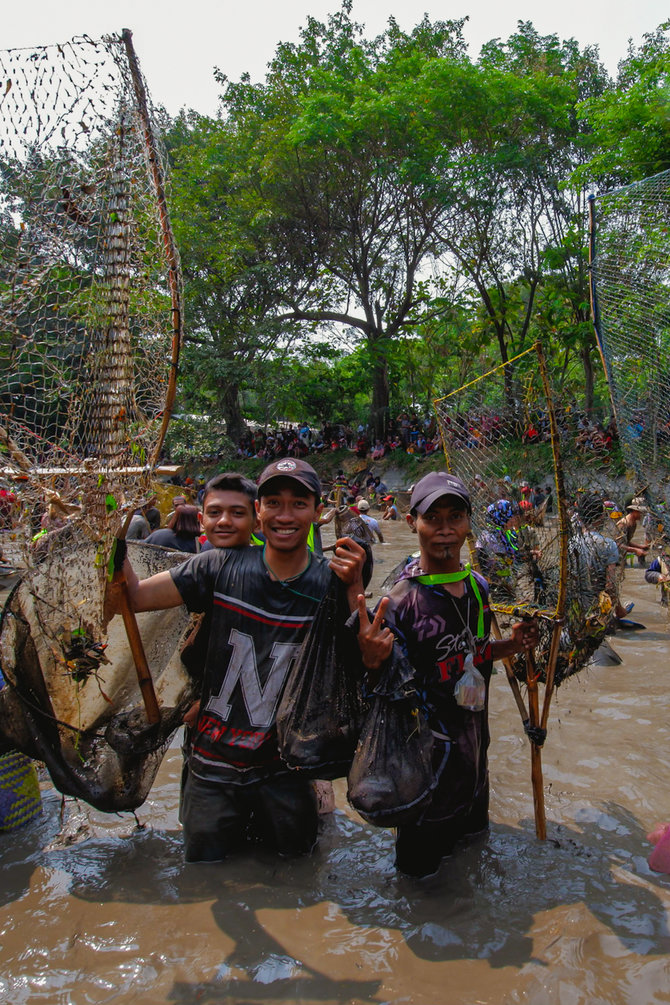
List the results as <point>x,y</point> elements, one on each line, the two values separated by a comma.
<point>286,513</point>
<point>442,531</point>
<point>228,518</point>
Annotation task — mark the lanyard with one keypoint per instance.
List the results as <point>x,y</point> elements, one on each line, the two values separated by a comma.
<point>438,578</point>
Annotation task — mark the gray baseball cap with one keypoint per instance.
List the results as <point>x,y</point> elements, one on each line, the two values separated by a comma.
<point>432,486</point>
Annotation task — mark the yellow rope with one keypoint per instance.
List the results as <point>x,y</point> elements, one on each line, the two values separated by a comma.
<point>501,366</point>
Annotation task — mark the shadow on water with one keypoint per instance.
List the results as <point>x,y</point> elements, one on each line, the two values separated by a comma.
<point>481,905</point>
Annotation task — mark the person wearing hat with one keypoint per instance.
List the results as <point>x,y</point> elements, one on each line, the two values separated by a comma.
<point>595,561</point>
<point>261,601</point>
<point>497,546</point>
<point>627,527</point>
<point>438,612</point>
<point>364,513</point>
<point>390,508</point>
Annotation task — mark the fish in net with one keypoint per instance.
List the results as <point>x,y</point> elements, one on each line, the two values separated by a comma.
<point>72,698</point>
<point>90,328</point>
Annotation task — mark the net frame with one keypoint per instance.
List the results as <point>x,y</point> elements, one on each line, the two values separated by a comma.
<point>541,666</point>
<point>108,222</point>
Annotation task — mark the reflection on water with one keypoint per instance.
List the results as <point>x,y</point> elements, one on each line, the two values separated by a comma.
<point>101,910</point>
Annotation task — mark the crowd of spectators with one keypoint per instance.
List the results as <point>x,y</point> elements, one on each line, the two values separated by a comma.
<point>470,429</point>
<point>407,433</point>
<point>475,429</point>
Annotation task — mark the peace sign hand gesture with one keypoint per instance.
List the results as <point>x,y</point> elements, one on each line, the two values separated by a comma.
<point>374,641</point>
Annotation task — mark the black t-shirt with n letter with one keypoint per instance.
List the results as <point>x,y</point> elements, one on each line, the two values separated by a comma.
<point>257,626</point>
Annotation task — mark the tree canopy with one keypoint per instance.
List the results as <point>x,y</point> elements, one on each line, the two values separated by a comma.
<point>392,194</point>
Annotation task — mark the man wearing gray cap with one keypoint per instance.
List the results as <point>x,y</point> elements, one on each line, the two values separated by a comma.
<point>438,612</point>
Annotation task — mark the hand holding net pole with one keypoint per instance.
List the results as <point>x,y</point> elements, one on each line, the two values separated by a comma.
<point>120,586</point>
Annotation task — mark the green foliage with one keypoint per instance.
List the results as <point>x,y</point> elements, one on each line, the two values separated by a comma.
<point>428,206</point>
<point>193,438</point>
<point>630,122</point>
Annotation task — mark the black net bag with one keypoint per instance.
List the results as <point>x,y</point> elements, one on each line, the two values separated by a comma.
<point>391,778</point>
<point>320,712</point>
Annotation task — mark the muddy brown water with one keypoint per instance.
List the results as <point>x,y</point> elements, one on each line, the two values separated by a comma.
<point>95,908</point>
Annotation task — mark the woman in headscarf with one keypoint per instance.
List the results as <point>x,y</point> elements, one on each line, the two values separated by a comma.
<point>498,545</point>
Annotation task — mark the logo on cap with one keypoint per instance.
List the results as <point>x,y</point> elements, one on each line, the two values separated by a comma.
<point>287,465</point>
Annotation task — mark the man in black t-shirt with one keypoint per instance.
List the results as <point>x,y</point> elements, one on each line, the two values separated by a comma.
<point>262,601</point>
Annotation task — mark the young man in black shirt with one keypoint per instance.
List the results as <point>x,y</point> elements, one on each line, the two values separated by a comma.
<point>262,601</point>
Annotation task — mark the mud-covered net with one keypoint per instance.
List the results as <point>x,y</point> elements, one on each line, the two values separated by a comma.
<point>630,273</point>
<point>542,527</point>
<point>90,324</point>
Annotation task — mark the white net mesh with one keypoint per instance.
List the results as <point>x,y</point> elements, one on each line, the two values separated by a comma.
<point>630,250</point>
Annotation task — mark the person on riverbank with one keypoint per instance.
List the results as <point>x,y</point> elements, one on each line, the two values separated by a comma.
<point>438,612</point>
<point>261,601</point>
<point>182,535</point>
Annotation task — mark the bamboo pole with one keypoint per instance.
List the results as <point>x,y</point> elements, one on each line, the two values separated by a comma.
<point>511,676</point>
<point>563,531</point>
<point>537,780</point>
<point>144,678</point>
<point>171,254</point>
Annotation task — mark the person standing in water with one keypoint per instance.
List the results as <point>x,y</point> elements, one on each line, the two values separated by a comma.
<point>438,612</point>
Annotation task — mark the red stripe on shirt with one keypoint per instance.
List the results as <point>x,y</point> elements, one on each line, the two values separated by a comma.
<point>245,612</point>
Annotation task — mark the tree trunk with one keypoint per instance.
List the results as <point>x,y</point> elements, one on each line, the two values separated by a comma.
<point>229,400</point>
<point>379,412</point>
<point>508,374</point>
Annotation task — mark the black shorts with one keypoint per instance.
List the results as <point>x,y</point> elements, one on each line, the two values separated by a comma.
<point>219,819</point>
<point>421,847</point>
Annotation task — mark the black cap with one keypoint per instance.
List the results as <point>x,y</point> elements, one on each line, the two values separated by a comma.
<point>291,467</point>
<point>431,487</point>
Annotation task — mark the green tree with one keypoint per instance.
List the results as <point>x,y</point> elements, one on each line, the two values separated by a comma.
<point>630,122</point>
<point>343,171</point>
<point>516,225</point>
<point>230,284</point>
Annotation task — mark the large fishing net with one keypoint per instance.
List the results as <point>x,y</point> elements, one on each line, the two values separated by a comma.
<point>503,436</point>
<point>88,286</point>
<point>630,273</point>
<point>90,325</point>
<point>547,506</point>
